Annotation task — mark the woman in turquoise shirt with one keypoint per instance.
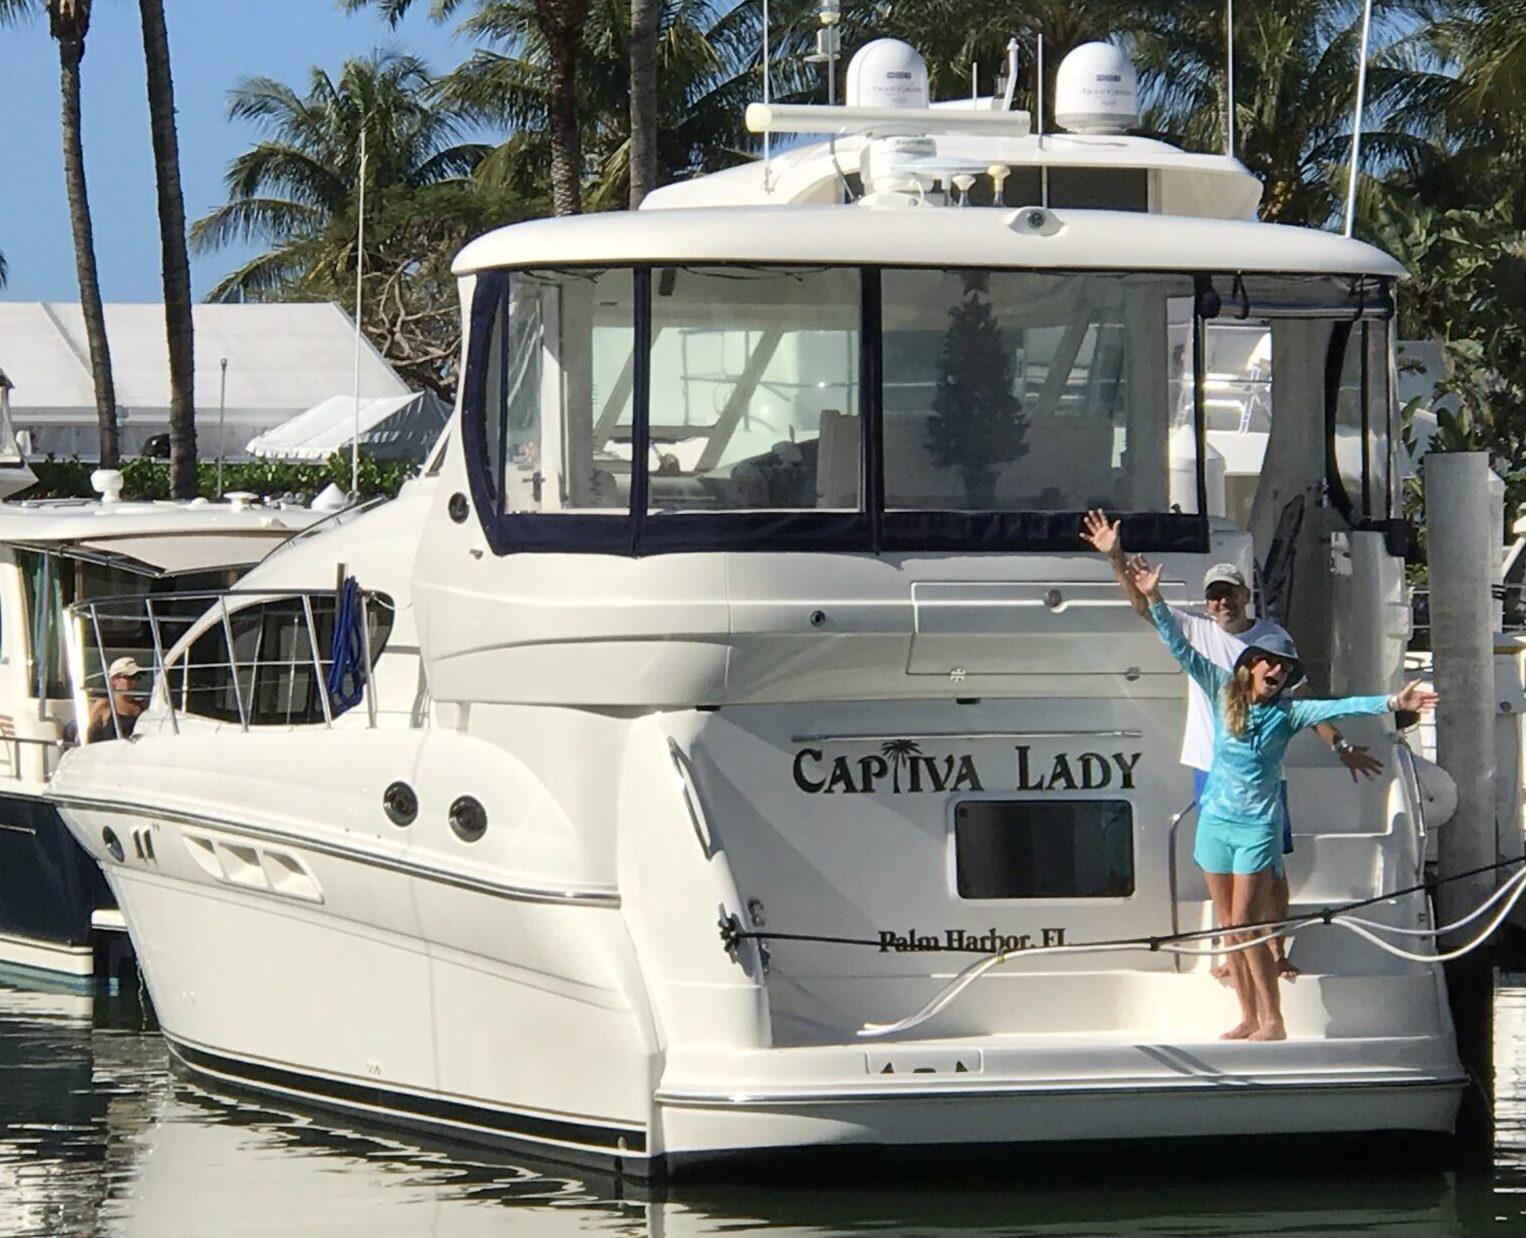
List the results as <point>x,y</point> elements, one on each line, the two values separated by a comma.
<point>1239,816</point>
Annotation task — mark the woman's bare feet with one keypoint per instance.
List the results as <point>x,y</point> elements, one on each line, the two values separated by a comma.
<point>1221,973</point>
<point>1245,1030</point>
<point>1286,970</point>
<point>1273,1030</point>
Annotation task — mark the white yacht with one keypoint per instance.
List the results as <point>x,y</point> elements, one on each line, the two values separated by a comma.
<point>749,599</point>
<point>56,913</point>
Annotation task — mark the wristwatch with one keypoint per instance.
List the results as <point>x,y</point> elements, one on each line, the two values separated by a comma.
<point>1341,746</point>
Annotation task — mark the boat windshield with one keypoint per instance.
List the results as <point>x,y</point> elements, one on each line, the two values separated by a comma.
<point>814,396</point>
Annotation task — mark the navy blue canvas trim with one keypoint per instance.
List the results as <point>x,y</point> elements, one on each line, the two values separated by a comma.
<point>1335,361</point>
<point>686,532</point>
<point>1038,532</point>
<point>492,288</point>
<point>1398,534</point>
<point>871,405</point>
<point>641,403</point>
<point>613,1139</point>
<point>561,532</point>
<point>1200,387</point>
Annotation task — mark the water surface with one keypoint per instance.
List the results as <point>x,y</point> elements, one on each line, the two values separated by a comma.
<point>97,1137</point>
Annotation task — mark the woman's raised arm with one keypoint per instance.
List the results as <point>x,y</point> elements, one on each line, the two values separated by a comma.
<point>1146,579</point>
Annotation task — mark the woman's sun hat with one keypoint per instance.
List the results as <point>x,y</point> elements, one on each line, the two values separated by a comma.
<point>1277,645</point>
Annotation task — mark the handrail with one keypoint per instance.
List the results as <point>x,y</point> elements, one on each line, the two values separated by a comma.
<point>312,645</point>
<point>46,745</point>
<point>369,685</point>
<point>159,674</point>
<point>179,626</point>
<point>1404,758</point>
<point>1171,881</point>
<point>238,688</point>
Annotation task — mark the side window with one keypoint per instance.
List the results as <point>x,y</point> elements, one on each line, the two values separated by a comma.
<point>269,675</point>
<point>556,396</point>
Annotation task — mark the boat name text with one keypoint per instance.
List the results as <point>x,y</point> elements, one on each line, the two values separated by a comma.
<point>908,770</point>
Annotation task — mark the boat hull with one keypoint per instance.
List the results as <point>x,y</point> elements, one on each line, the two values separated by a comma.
<point>51,892</point>
<point>469,1031</point>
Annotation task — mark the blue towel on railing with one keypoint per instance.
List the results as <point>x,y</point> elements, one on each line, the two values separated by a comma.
<point>347,651</point>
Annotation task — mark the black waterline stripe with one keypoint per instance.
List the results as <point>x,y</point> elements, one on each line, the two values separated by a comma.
<point>455,1113</point>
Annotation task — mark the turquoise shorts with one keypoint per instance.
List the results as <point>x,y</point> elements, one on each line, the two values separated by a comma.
<point>1200,780</point>
<point>1229,847</point>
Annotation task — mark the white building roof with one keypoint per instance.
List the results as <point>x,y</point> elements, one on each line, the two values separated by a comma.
<point>923,236</point>
<point>392,426</point>
<point>282,359</point>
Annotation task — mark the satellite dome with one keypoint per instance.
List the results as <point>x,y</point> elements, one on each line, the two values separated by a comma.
<point>887,73</point>
<point>1096,91</point>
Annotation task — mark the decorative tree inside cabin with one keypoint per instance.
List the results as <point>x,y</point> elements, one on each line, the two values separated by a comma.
<point>978,423</point>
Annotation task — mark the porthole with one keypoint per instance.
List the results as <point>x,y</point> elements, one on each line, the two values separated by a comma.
<point>113,844</point>
<point>468,819</point>
<point>400,803</point>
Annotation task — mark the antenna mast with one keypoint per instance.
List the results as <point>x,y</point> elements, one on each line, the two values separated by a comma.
<point>360,266</point>
<point>767,98</point>
<point>1356,127</point>
<point>1229,61</point>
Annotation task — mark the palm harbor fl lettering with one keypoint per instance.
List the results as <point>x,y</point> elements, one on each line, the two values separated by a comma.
<point>991,941</point>
<point>900,767</point>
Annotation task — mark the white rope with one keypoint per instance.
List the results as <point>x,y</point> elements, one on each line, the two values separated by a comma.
<point>1515,887</point>
<point>1390,948</point>
<point>1443,930</point>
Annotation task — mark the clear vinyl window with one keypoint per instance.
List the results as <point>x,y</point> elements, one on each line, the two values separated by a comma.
<point>1029,391</point>
<point>754,389</point>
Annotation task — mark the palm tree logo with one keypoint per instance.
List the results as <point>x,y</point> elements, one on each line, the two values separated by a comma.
<point>899,752</point>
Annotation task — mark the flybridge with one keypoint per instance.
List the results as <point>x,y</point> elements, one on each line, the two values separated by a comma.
<point>891,146</point>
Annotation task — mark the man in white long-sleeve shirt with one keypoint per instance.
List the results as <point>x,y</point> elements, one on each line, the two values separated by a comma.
<point>1221,635</point>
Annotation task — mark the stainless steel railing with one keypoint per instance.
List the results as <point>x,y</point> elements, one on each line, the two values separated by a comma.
<point>48,751</point>
<point>257,657</point>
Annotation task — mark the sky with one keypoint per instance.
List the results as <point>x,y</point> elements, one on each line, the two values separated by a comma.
<point>213,43</point>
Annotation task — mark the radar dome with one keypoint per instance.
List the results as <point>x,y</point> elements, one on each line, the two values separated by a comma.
<point>1096,91</point>
<point>887,73</point>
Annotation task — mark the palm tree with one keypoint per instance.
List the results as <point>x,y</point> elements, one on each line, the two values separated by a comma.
<point>293,185</point>
<point>645,17</point>
<point>1295,87</point>
<point>560,24</point>
<point>69,22</point>
<point>708,71</point>
<point>172,241</point>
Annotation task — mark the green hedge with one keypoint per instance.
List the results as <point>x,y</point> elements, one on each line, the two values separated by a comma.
<point>150,479</point>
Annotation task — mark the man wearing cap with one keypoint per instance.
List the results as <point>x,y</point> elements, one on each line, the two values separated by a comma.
<point>122,677</point>
<point>1221,636</point>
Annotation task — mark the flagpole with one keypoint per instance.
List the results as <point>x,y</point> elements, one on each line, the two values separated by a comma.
<point>1356,128</point>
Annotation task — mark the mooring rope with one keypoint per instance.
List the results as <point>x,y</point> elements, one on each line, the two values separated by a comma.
<point>1510,893</point>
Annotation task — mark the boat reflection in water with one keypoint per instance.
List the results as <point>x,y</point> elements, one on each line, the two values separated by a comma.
<point>97,1136</point>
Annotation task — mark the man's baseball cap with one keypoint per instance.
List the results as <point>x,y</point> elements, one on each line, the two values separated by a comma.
<point>1224,574</point>
<point>124,666</point>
